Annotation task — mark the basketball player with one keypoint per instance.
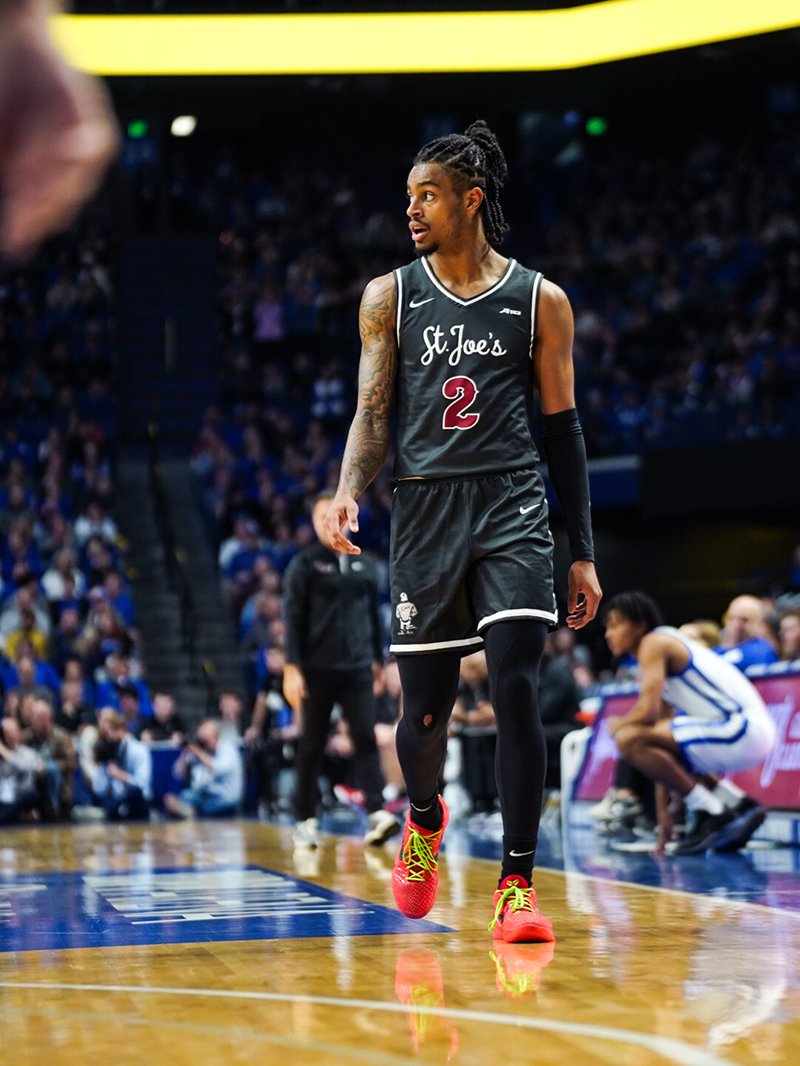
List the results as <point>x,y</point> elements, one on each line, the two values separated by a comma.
<point>696,716</point>
<point>457,339</point>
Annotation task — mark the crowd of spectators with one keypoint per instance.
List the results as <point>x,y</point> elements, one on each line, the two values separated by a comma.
<point>72,690</point>
<point>683,271</point>
<point>684,275</point>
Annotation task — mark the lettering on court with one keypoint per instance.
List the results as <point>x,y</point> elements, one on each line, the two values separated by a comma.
<point>51,911</point>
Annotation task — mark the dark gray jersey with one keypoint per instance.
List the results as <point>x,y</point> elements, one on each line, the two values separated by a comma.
<point>465,374</point>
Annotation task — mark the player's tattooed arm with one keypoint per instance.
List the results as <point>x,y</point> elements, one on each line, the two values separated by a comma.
<point>368,440</point>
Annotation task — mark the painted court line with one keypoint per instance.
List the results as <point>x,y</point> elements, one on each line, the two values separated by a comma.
<point>765,908</point>
<point>350,1054</point>
<point>675,1050</point>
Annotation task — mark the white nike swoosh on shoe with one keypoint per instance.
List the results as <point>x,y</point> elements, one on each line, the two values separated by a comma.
<point>419,303</point>
<point>520,854</point>
<point>533,506</point>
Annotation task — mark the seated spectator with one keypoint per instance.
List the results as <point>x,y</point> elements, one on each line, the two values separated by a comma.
<point>21,769</point>
<point>74,671</point>
<point>98,560</point>
<point>233,544</point>
<point>744,640</point>
<point>129,706</point>
<point>216,776</point>
<point>73,714</point>
<point>54,746</point>
<point>789,634</point>
<point>117,676</point>
<point>94,522</point>
<point>266,610</point>
<point>123,781</point>
<point>20,554</point>
<point>559,702</point>
<point>230,717</point>
<point>704,630</point>
<point>118,597</point>
<point>577,655</point>
<point>166,724</point>
<point>24,597</point>
<point>28,632</point>
<point>63,580</point>
<point>26,676</point>
<point>66,638</point>
<point>474,713</point>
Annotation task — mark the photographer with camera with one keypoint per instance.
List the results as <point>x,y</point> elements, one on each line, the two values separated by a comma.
<point>213,768</point>
<point>123,782</point>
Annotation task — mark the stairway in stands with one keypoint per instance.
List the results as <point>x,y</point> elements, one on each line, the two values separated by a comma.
<point>169,371</point>
<point>168,666</point>
<point>169,363</point>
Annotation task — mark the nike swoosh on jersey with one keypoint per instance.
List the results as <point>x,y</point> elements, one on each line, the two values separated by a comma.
<point>533,506</point>
<point>419,303</point>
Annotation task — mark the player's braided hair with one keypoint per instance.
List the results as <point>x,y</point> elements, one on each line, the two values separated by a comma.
<point>475,158</point>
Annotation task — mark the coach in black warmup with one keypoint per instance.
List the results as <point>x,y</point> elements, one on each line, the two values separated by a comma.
<point>333,641</point>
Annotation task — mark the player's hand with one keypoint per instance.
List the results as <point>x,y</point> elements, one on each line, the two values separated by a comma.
<point>584,594</point>
<point>342,513</point>
<point>57,134</point>
<point>294,687</point>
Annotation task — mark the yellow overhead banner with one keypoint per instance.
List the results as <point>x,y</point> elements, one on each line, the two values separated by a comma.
<point>409,43</point>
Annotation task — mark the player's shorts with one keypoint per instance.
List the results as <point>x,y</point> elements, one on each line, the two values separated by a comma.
<point>467,552</point>
<point>739,742</point>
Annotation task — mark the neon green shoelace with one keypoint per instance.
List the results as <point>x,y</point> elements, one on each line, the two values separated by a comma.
<point>418,856</point>
<point>520,901</point>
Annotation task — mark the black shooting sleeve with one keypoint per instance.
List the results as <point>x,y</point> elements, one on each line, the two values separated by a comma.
<point>565,452</point>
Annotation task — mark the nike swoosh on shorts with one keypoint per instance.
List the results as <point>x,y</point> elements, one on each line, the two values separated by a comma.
<point>533,506</point>
<point>419,303</point>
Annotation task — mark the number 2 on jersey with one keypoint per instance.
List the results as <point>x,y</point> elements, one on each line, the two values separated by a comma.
<point>462,391</point>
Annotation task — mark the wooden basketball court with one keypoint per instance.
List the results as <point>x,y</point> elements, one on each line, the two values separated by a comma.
<point>214,943</point>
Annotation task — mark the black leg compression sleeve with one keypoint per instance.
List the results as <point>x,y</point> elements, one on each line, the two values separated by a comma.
<point>513,653</point>
<point>430,685</point>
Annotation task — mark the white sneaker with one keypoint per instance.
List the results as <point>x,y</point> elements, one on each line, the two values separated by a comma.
<point>382,825</point>
<point>306,834</point>
<point>601,811</point>
<point>85,813</point>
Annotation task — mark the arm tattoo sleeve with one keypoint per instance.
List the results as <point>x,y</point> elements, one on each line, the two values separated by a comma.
<point>368,439</point>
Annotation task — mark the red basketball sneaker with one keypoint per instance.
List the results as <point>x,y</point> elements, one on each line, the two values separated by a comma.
<point>415,878</point>
<point>516,916</point>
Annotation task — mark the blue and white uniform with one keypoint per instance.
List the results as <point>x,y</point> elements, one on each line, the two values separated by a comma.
<point>721,724</point>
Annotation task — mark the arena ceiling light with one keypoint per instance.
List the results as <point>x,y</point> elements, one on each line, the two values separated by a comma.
<point>183,126</point>
<point>409,43</point>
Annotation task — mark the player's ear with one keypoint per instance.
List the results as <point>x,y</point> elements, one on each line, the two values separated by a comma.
<point>474,199</point>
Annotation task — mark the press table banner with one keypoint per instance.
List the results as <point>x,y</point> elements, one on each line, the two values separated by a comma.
<point>775,784</point>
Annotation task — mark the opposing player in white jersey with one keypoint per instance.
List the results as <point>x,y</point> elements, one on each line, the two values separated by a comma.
<point>696,717</point>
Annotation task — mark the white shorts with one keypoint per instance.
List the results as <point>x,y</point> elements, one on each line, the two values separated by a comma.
<point>720,746</point>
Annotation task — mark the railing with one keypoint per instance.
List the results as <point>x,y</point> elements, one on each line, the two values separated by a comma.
<point>178,570</point>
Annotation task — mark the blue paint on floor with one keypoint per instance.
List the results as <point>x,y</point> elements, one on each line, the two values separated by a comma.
<point>185,906</point>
